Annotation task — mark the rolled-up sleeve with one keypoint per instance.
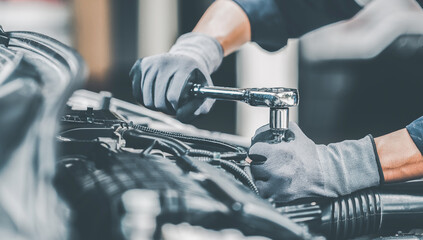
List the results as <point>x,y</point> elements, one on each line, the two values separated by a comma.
<point>415,129</point>
<point>274,21</point>
<point>267,26</point>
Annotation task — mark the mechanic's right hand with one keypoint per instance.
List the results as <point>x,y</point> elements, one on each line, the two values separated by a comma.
<point>161,82</point>
<point>287,171</point>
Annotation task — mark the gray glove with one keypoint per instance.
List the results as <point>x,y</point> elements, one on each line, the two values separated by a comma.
<point>298,169</point>
<point>161,82</point>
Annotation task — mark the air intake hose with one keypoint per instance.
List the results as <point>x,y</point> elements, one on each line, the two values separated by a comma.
<point>383,210</point>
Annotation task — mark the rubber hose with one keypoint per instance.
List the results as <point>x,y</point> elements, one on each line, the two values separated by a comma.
<point>383,210</point>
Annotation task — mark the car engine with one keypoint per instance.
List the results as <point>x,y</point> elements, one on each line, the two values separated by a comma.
<point>95,167</point>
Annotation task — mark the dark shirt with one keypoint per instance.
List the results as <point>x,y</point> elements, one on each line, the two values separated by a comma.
<point>274,21</point>
<point>415,129</point>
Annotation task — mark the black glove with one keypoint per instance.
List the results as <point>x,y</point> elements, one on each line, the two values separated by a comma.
<point>161,82</point>
<point>287,171</point>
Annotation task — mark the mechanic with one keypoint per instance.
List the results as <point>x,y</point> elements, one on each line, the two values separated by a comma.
<point>288,170</point>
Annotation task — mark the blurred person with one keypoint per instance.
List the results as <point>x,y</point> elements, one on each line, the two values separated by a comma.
<point>283,171</point>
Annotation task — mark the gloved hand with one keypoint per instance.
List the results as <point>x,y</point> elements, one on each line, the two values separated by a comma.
<point>298,169</point>
<point>161,82</point>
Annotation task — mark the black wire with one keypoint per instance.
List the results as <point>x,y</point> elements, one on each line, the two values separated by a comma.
<point>104,144</point>
<point>204,159</point>
<point>95,140</point>
<point>223,155</point>
<point>234,169</point>
<point>149,148</point>
<point>240,174</point>
<point>181,150</point>
<point>247,170</point>
<point>164,143</point>
<point>187,138</point>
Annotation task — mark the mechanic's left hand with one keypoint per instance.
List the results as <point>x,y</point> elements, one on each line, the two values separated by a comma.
<point>297,169</point>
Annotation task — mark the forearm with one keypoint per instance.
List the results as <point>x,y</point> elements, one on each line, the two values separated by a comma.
<point>227,22</point>
<point>399,157</point>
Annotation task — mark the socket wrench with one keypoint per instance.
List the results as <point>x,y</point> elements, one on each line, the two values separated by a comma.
<point>278,99</point>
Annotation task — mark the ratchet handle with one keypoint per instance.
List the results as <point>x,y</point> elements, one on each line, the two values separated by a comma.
<point>220,93</point>
<point>187,105</point>
<point>277,97</point>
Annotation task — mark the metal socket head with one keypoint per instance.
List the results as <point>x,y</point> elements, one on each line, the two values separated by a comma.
<point>279,118</point>
<point>272,97</point>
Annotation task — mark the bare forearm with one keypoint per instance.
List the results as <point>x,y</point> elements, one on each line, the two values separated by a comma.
<point>227,22</point>
<point>399,157</point>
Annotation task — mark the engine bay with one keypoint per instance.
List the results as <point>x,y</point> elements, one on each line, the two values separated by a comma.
<point>114,171</point>
<point>126,172</point>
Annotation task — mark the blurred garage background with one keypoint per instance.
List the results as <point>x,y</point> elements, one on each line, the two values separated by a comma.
<point>112,34</point>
